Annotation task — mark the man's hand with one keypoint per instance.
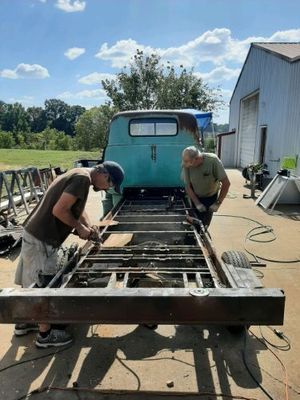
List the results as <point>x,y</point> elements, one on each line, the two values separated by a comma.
<point>214,207</point>
<point>83,231</point>
<point>94,236</point>
<point>201,207</point>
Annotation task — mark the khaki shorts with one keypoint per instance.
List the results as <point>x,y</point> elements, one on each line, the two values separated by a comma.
<point>36,259</point>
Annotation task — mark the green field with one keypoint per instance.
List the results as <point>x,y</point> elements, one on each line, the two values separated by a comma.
<point>13,159</point>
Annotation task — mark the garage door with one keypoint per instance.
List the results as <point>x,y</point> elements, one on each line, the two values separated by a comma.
<point>248,128</point>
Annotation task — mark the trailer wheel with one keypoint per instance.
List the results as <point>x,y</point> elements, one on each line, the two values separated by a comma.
<point>236,258</point>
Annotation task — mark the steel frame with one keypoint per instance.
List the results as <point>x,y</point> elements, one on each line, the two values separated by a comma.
<point>168,273</point>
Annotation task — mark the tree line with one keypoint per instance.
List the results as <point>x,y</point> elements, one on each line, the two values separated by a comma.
<point>146,83</point>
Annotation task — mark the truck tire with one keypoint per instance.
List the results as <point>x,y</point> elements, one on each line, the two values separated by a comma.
<point>239,260</point>
<point>236,258</point>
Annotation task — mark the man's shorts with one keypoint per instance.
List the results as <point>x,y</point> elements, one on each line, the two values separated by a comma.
<point>36,259</point>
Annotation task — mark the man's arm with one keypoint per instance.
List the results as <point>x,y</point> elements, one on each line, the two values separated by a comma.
<point>190,192</point>
<point>62,211</point>
<point>224,190</point>
<point>192,195</point>
<point>85,220</point>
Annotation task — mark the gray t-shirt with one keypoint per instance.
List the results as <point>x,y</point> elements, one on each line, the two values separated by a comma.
<point>43,225</point>
<point>205,178</point>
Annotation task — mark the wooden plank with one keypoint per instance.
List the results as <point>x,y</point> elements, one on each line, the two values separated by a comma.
<point>118,240</point>
<point>107,222</point>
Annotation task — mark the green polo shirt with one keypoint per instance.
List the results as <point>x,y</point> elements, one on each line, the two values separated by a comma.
<point>205,178</point>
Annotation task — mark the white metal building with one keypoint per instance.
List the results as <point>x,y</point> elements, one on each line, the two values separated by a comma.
<point>265,107</point>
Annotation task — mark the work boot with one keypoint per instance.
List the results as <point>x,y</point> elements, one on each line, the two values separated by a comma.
<point>23,329</point>
<point>55,338</point>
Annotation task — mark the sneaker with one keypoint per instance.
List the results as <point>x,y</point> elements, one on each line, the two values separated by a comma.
<point>23,329</point>
<point>56,338</point>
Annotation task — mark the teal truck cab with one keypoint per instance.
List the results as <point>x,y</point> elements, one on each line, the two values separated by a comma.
<point>148,145</point>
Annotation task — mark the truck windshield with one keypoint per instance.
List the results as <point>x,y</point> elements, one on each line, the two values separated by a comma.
<point>153,127</point>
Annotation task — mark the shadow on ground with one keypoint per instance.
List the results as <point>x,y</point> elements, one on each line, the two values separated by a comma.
<point>214,351</point>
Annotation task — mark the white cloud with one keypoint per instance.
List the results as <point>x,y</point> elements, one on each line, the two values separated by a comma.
<point>70,6</point>
<point>222,116</point>
<point>22,71</point>
<point>226,93</point>
<point>219,74</point>
<point>74,52</point>
<point>96,94</point>
<point>216,46</point>
<point>95,78</point>
<point>119,54</point>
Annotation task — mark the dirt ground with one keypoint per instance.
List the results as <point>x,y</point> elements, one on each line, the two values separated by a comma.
<point>192,359</point>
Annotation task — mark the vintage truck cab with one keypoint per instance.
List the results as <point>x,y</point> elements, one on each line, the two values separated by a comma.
<point>148,145</point>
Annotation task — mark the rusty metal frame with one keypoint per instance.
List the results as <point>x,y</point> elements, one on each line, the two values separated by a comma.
<point>140,305</point>
<point>169,273</point>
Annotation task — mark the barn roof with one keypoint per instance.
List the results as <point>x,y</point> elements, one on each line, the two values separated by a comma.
<point>288,51</point>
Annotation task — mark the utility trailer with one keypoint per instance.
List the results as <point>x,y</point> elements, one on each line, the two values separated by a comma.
<point>153,267</point>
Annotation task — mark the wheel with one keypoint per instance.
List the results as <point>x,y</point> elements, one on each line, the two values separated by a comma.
<point>239,260</point>
<point>236,258</point>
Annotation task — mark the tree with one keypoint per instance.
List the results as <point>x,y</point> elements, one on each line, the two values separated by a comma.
<point>91,128</point>
<point>56,111</point>
<point>36,118</point>
<point>3,111</point>
<point>14,119</point>
<point>61,116</point>
<point>151,85</point>
<point>71,117</point>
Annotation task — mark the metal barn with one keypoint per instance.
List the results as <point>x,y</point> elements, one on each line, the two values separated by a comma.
<point>265,107</point>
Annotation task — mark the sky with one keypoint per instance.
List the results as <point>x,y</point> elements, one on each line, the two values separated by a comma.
<point>64,48</point>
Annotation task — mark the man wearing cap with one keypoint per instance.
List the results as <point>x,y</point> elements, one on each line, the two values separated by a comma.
<point>206,182</point>
<point>60,211</point>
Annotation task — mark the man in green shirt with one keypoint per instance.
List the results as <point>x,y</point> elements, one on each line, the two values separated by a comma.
<point>206,182</point>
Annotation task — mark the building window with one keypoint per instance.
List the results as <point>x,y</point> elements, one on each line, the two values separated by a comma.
<point>153,127</point>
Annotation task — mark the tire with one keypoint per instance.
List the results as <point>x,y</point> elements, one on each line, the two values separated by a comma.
<point>236,258</point>
<point>239,260</point>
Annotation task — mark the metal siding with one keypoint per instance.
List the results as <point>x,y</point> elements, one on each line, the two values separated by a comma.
<point>278,82</point>
<point>227,150</point>
<point>248,126</point>
<point>291,145</point>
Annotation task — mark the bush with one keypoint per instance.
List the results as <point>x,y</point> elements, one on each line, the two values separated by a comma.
<point>7,140</point>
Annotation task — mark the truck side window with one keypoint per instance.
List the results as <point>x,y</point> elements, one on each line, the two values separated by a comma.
<point>153,127</point>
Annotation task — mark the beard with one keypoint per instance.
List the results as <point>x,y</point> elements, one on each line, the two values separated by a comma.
<point>95,189</point>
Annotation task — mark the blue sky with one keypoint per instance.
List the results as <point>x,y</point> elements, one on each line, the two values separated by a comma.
<point>63,48</point>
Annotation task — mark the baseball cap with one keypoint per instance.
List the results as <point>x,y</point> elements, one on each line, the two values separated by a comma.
<point>116,174</point>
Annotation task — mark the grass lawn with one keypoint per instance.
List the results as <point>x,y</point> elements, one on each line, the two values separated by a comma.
<point>13,159</point>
